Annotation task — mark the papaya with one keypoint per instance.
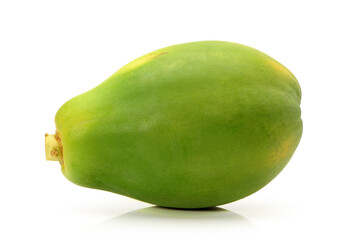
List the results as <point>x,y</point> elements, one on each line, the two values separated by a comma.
<point>193,125</point>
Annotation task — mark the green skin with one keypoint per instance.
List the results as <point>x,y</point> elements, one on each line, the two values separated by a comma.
<point>193,125</point>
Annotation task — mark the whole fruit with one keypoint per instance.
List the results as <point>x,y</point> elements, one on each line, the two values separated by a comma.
<point>193,125</point>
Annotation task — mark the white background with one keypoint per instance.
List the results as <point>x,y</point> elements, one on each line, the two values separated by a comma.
<point>51,51</point>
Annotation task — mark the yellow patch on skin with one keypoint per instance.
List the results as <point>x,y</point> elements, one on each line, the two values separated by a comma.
<point>142,60</point>
<point>280,68</point>
<point>280,153</point>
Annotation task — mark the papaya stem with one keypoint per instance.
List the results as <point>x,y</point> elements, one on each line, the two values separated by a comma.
<point>53,151</point>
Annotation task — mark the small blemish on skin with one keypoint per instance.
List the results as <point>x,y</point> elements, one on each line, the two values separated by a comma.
<point>160,54</point>
<point>54,152</point>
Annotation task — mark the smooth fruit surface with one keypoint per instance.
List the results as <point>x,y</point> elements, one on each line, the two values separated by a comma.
<point>188,126</point>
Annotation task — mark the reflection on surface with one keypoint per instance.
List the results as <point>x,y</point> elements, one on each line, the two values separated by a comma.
<point>160,215</point>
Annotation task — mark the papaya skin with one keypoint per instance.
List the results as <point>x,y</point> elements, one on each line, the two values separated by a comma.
<point>194,125</point>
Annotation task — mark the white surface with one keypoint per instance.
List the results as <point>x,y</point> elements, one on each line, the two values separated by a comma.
<point>51,51</point>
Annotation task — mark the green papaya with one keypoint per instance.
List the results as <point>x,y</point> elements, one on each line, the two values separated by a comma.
<point>193,125</point>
